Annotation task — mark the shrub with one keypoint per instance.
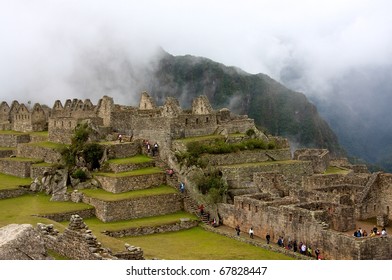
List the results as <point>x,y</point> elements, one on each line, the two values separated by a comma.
<point>79,174</point>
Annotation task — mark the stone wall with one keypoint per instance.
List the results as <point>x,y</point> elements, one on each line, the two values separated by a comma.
<point>139,231</point>
<point>66,216</point>
<point>12,166</point>
<point>385,183</point>
<point>116,168</point>
<point>318,157</point>
<point>46,154</point>
<point>122,150</point>
<point>236,175</point>
<point>7,153</point>
<point>37,170</point>
<point>248,157</point>
<point>11,193</point>
<point>119,184</point>
<point>12,140</point>
<point>146,206</point>
<point>77,242</point>
<point>319,181</point>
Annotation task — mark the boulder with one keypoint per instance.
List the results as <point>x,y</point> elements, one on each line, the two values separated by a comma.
<point>22,242</point>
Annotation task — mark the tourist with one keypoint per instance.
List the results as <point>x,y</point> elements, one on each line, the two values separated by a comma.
<point>238,230</point>
<point>251,232</point>
<point>148,146</point>
<point>295,246</point>
<point>309,251</point>
<point>214,223</point>
<point>303,249</point>
<point>170,172</point>
<point>268,237</point>
<point>201,210</point>
<point>317,252</point>
<point>375,229</point>
<point>182,187</point>
<point>119,138</point>
<point>155,149</point>
<point>365,233</point>
<point>383,232</point>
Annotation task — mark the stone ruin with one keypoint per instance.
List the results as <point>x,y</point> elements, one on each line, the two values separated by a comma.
<point>285,195</point>
<point>78,242</point>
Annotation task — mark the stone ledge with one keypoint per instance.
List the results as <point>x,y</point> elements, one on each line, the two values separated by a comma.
<point>130,183</point>
<point>138,231</point>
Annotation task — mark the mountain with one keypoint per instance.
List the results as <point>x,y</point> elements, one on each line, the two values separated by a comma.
<point>275,108</point>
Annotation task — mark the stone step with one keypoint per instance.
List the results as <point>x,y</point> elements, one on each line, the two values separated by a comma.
<point>131,180</point>
<point>134,204</point>
<point>17,166</point>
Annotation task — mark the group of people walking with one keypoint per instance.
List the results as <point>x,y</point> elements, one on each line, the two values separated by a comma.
<point>300,247</point>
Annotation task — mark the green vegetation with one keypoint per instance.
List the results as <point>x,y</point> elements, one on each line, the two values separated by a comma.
<point>11,132</point>
<point>130,160</point>
<point>79,174</point>
<point>13,182</point>
<point>142,171</point>
<point>7,148</point>
<point>50,145</point>
<point>99,226</point>
<point>108,196</point>
<point>24,209</point>
<point>219,146</point>
<point>198,244</point>
<point>45,164</point>
<point>90,152</point>
<point>254,164</point>
<point>211,184</point>
<point>335,170</point>
<point>40,133</point>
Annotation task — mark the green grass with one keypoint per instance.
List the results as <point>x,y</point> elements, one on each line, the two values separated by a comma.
<point>142,171</point>
<point>40,133</point>
<point>21,209</point>
<point>12,182</point>
<point>335,170</point>
<point>11,132</point>
<point>98,226</point>
<point>201,138</point>
<point>7,148</point>
<point>108,196</point>
<point>50,145</point>
<point>135,159</point>
<point>198,244</point>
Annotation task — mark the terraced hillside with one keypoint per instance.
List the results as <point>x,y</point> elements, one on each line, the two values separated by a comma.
<point>136,202</point>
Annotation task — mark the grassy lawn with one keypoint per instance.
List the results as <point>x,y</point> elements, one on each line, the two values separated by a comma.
<point>7,148</point>
<point>50,145</point>
<point>142,171</point>
<point>135,159</point>
<point>108,196</point>
<point>198,244</point>
<point>335,170</point>
<point>21,209</point>
<point>13,182</point>
<point>40,133</point>
<point>11,132</point>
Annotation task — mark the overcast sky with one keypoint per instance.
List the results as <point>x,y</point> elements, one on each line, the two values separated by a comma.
<point>306,44</point>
